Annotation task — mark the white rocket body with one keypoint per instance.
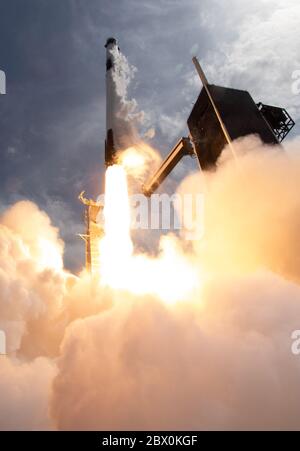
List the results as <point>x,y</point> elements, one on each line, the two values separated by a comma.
<point>121,114</point>
<point>112,102</point>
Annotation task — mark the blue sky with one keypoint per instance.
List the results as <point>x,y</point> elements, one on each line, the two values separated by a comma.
<point>52,119</point>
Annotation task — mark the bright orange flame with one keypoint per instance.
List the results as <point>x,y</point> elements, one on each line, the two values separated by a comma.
<point>116,246</point>
<point>138,160</point>
<point>132,159</point>
<point>171,276</point>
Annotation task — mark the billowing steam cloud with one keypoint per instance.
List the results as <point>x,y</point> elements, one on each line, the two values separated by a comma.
<point>220,361</point>
<point>97,358</point>
<point>252,211</point>
<point>25,388</point>
<point>37,302</point>
<point>30,251</point>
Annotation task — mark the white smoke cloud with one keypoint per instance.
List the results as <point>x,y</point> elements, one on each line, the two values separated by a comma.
<point>220,362</point>
<point>37,302</point>
<point>221,359</point>
<point>30,266</point>
<point>252,212</point>
<point>25,389</point>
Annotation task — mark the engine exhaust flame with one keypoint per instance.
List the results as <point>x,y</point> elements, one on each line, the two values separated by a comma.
<point>121,269</point>
<point>116,247</point>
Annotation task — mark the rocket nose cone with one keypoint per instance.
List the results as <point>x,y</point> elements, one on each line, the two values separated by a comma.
<point>112,41</point>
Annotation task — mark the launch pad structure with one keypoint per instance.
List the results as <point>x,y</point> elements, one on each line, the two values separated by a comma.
<point>94,233</point>
<point>219,116</point>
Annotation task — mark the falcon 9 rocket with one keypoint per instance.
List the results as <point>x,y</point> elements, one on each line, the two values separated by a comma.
<point>112,54</point>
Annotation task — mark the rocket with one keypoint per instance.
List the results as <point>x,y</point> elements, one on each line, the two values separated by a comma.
<point>112,55</point>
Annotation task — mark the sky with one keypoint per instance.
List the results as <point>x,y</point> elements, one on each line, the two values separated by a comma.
<point>52,118</point>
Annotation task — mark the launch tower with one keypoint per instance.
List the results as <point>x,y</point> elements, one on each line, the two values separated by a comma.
<point>94,233</point>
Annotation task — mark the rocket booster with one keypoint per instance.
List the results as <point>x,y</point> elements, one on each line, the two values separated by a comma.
<point>112,54</point>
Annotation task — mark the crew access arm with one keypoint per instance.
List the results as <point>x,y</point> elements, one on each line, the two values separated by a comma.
<point>182,148</point>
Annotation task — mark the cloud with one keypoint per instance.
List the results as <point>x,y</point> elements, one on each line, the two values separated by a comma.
<point>172,126</point>
<point>257,50</point>
<point>150,134</point>
<point>38,300</point>
<point>25,389</point>
<point>117,361</point>
<point>222,358</point>
<point>256,225</point>
<point>30,255</point>
<point>223,362</point>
